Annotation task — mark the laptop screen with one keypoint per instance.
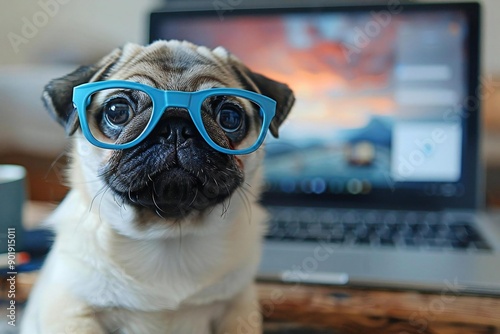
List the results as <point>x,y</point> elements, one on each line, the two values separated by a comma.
<point>383,113</point>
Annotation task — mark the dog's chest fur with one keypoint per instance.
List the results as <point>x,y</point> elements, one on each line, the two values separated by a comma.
<point>151,280</point>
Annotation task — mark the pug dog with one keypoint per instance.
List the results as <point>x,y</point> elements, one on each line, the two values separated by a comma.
<point>163,236</point>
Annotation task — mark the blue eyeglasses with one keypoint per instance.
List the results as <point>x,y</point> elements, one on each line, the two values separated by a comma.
<point>107,108</point>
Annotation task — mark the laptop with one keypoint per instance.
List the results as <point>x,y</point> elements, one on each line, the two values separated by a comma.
<point>376,179</point>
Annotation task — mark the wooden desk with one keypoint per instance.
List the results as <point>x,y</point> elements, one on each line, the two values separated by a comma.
<point>366,311</point>
<point>310,309</point>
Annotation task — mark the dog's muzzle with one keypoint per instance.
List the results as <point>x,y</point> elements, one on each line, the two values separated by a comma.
<point>173,172</point>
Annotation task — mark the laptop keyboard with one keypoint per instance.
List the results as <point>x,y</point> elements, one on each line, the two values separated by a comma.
<point>422,230</point>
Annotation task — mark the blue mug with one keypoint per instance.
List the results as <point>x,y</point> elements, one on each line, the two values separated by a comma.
<point>12,198</point>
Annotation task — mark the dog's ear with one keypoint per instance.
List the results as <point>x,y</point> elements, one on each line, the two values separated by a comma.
<point>58,93</point>
<point>278,91</point>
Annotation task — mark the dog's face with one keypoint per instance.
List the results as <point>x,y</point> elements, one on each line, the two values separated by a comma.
<point>173,173</point>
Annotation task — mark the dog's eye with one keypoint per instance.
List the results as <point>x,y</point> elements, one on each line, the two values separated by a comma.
<point>117,112</point>
<point>229,117</point>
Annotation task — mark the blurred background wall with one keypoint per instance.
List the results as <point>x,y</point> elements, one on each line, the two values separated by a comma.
<point>44,39</point>
<point>41,40</point>
<point>81,30</point>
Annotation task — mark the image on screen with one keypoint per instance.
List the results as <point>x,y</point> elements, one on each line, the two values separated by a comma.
<point>375,100</point>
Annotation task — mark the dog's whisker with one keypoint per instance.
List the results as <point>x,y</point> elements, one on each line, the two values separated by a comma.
<point>118,200</point>
<point>194,197</point>
<point>107,172</point>
<point>86,182</point>
<point>246,201</point>
<point>249,191</point>
<point>52,167</point>
<point>154,187</point>
<point>130,194</point>
<point>157,211</point>
<point>179,225</point>
<point>156,204</point>
<point>100,202</point>
<point>99,192</point>
<point>226,209</point>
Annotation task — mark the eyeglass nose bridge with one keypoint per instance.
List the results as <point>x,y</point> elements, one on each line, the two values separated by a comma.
<point>175,102</point>
<point>175,99</point>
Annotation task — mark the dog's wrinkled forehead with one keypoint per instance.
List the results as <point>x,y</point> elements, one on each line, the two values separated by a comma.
<point>174,65</point>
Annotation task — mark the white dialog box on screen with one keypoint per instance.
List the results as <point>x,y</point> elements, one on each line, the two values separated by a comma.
<point>426,151</point>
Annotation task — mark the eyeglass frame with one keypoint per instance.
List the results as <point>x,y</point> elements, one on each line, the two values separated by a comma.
<point>162,100</point>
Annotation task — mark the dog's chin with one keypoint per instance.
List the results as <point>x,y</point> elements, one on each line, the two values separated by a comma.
<point>176,193</point>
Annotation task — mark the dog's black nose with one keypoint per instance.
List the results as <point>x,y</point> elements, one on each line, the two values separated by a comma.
<point>177,130</point>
